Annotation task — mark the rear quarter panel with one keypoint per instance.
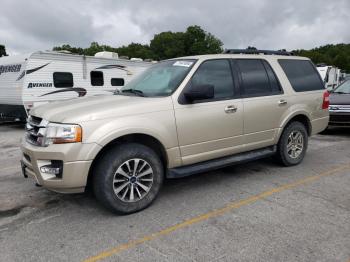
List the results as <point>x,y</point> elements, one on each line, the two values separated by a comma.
<point>307,103</point>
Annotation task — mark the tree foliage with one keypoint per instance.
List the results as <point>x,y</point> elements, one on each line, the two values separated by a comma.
<point>168,44</point>
<point>336,55</point>
<point>194,41</point>
<point>2,51</point>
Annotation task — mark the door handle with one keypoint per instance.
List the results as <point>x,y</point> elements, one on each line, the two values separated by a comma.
<point>282,102</point>
<point>230,109</point>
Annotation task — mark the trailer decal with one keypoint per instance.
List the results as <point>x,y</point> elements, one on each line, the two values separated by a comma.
<point>81,91</point>
<point>27,72</point>
<point>121,67</point>
<point>31,85</point>
<point>10,68</point>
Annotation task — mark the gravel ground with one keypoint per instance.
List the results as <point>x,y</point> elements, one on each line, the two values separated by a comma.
<point>258,211</point>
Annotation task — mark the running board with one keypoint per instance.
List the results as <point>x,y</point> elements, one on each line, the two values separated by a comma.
<point>221,162</point>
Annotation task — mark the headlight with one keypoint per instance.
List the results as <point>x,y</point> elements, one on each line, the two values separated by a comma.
<point>62,133</point>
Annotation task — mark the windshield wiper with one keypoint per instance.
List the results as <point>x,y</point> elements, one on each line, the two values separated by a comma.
<point>133,91</point>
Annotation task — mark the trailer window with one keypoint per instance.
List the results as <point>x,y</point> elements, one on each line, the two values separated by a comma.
<point>63,79</point>
<point>96,78</point>
<point>117,81</point>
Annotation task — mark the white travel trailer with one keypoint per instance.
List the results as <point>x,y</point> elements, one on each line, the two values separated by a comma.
<point>40,77</point>
<point>330,75</point>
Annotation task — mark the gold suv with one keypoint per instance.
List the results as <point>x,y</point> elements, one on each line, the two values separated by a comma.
<point>180,117</point>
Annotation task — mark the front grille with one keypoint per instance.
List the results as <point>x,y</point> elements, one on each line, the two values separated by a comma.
<point>35,120</point>
<point>35,129</point>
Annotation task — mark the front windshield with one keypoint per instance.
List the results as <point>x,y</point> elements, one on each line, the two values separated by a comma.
<point>161,79</point>
<point>344,88</point>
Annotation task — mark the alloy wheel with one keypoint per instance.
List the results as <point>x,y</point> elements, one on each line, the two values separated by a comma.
<point>133,180</point>
<point>295,144</point>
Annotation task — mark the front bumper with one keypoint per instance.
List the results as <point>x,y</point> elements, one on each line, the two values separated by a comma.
<point>76,158</point>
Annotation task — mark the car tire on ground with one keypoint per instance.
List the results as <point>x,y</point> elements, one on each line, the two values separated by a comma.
<point>325,132</point>
<point>128,177</point>
<point>292,145</point>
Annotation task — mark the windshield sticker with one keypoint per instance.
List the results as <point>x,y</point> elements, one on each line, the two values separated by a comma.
<point>183,63</point>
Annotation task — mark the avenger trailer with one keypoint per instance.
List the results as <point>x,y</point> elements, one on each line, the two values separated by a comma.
<point>41,77</point>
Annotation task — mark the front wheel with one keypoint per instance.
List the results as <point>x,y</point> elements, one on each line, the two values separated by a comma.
<point>128,178</point>
<point>292,145</point>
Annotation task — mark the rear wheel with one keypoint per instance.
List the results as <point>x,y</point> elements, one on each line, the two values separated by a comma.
<point>326,131</point>
<point>127,178</point>
<point>292,145</point>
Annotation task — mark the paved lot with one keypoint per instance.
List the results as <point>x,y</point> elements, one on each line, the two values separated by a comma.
<point>252,212</point>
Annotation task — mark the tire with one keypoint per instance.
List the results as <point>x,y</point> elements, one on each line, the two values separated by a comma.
<point>325,132</point>
<point>114,174</point>
<point>285,153</point>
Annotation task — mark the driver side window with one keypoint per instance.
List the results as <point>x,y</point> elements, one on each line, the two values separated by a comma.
<point>216,73</point>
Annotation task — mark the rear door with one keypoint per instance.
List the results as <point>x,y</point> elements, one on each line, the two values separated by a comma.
<point>263,101</point>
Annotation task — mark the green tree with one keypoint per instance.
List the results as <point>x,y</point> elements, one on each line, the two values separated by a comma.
<point>336,55</point>
<point>136,50</point>
<point>199,42</point>
<point>93,49</point>
<point>168,45</point>
<point>2,51</point>
<point>74,50</point>
<point>194,41</point>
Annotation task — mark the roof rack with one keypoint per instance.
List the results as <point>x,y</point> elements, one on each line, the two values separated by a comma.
<point>257,52</point>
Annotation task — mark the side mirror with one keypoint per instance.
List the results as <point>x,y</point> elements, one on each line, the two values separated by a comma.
<point>199,92</point>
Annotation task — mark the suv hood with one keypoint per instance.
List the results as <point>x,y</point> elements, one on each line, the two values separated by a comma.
<point>100,107</point>
<point>339,99</point>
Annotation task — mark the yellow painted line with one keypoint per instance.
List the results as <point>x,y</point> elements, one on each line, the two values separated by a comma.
<point>214,213</point>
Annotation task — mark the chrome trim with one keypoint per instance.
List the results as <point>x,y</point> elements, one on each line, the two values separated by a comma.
<point>35,129</point>
<point>339,108</point>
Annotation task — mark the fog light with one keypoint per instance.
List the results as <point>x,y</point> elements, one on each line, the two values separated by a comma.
<point>50,170</point>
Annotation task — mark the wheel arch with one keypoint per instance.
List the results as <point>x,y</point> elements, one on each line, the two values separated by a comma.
<point>141,138</point>
<point>297,117</point>
<point>305,120</point>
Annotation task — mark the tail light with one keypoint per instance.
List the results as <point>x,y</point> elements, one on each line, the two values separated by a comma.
<point>325,103</point>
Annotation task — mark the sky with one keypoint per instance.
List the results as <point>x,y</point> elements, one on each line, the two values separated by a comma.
<point>29,25</point>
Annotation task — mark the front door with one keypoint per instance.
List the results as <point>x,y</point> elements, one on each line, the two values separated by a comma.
<point>211,128</point>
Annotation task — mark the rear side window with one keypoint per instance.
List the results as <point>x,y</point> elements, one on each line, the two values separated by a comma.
<point>63,79</point>
<point>117,81</point>
<point>96,78</point>
<point>301,74</point>
<point>274,83</point>
<point>258,79</point>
